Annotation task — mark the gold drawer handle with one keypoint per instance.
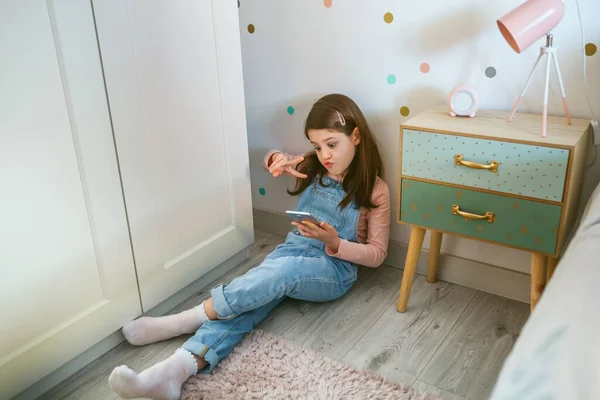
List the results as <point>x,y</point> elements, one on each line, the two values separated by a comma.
<point>492,167</point>
<point>489,216</point>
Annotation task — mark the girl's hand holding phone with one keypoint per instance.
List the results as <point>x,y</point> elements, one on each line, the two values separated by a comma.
<point>281,164</point>
<point>323,232</point>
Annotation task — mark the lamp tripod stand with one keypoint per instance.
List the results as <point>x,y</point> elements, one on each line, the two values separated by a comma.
<point>550,52</point>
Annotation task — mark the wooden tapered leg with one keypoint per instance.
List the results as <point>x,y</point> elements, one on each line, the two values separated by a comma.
<point>434,256</point>
<point>538,277</point>
<point>552,262</point>
<point>410,267</point>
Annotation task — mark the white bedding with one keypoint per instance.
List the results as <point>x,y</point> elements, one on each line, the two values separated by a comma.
<point>557,355</point>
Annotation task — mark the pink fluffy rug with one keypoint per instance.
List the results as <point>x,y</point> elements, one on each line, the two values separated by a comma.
<point>265,366</point>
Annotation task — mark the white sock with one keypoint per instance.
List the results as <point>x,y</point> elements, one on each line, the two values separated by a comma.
<point>162,381</point>
<point>147,330</point>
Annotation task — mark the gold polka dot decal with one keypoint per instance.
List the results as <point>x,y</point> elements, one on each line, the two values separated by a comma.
<point>524,229</point>
<point>440,207</point>
<point>590,49</point>
<point>404,111</point>
<point>388,17</point>
<point>516,206</point>
<point>508,236</point>
<point>555,231</point>
<point>479,227</point>
<point>413,206</point>
<point>406,184</point>
<point>538,240</point>
<point>453,224</point>
<point>251,28</point>
<point>458,195</point>
<point>426,216</point>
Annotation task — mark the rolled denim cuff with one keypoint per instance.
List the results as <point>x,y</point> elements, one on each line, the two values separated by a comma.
<point>205,352</point>
<point>220,304</point>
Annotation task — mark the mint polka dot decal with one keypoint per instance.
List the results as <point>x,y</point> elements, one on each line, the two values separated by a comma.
<point>490,72</point>
<point>262,191</point>
<point>290,110</point>
<point>391,78</point>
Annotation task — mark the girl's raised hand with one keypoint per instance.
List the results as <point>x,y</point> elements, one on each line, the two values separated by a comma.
<point>282,164</point>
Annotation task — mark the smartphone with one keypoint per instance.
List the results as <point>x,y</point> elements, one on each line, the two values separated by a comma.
<point>302,216</point>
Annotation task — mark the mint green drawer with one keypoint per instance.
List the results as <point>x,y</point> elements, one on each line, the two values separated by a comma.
<point>524,224</point>
<point>528,170</point>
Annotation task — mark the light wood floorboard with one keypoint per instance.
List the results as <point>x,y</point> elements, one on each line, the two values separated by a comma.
<point>334,328</point>
<point>400,345</point>
<point>436,391</point>
<point>470,358</point>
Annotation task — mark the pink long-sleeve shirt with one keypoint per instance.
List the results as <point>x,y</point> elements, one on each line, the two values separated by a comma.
<point>373,229</point>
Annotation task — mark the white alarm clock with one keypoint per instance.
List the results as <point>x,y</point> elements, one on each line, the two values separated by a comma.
<point>463,101</point>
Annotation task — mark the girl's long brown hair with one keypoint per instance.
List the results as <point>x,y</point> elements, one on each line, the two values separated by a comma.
<point>366,166</point>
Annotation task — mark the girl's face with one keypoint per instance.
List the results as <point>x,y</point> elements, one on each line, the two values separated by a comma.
<point>334,149</point>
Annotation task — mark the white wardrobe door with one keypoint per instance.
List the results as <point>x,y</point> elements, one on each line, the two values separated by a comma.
<point>174,81</point>
<point>66,267</point>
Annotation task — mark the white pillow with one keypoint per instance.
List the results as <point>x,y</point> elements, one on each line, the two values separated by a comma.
<point>557,355</point>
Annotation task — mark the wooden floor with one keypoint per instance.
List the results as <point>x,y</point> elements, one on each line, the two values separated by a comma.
<point>451,342</point>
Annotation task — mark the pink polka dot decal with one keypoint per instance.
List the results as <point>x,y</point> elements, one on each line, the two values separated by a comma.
<point>425,67</point>
<point>327,3</point>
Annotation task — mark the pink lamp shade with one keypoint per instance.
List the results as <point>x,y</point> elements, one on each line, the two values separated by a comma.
<point>530,21</point>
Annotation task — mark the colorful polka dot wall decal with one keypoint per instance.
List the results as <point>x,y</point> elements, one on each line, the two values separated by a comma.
<point>490,72</point>
<point>388,17</point>
<point>404,111</point>
<point>251,28</point>
<point>391,78</point>
<point>262,191</point>
<point>291,110</point>
<point>425,68</point>
<point>327,3</point>
<point>590,49</point>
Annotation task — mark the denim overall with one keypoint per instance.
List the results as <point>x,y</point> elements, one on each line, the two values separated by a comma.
<point>298,268</point>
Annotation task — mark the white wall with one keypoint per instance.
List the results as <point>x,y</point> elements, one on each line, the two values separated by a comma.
<point>301,50</point>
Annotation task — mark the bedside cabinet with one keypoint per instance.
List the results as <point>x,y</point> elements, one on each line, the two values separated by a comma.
<point>491,180</point>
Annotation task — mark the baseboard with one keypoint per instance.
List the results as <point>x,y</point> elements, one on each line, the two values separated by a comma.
<point>474,274</point>
<point>110,342</point>
<point>461,271</point>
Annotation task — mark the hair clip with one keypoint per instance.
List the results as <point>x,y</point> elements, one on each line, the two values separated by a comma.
<point>342,119</point>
